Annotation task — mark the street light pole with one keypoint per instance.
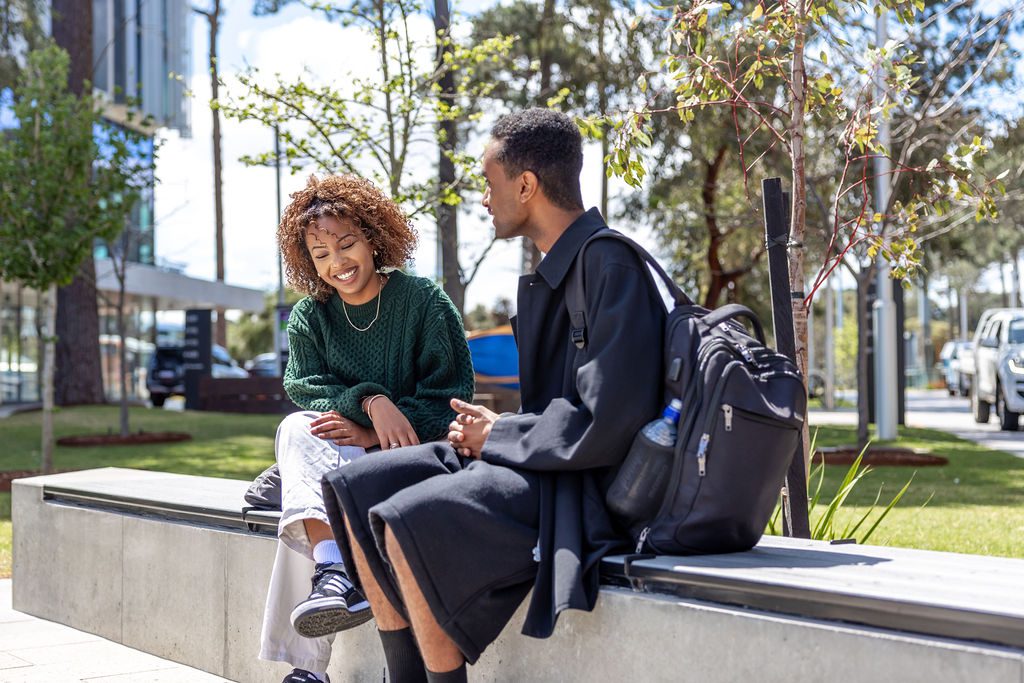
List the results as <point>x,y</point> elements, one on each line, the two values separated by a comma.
<point>886,370</point>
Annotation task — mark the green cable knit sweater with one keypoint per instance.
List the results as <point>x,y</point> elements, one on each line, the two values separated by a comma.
<point>415,354</point>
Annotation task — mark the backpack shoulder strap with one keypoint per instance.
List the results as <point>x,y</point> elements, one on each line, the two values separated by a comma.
<point>575,296</point>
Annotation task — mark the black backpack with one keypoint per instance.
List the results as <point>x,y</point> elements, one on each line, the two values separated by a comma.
<point>744,405</point>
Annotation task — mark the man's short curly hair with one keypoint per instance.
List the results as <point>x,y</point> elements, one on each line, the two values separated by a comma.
<point>349,197</point>
<point>547,143</point>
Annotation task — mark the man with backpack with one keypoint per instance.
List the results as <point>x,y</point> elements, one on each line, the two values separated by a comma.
<point>450,537</point>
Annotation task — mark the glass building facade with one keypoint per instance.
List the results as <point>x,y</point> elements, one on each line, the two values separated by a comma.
<point>142,62</point>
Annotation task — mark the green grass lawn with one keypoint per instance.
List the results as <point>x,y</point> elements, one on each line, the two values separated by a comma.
<point>222,445</point>
<point>976,501</point>
<point>976,506</point>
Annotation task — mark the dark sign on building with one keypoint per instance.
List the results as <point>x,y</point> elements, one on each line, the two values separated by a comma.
<point>198,345</point>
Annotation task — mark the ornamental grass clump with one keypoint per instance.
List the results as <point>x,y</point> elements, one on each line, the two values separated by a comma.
<point>824,525</point>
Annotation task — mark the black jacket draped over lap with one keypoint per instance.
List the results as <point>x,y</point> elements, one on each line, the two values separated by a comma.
<point>575,428</point>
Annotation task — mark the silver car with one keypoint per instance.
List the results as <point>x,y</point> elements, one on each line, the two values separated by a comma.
<point>999,367</point>
<point>957,366</point>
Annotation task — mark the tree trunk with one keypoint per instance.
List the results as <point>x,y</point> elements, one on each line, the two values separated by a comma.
<point>213,18</point>
<point>18,348</point>
<point>1004,290</point>
<point>78,378</point>
<point>447,217</point>
<point>953,308</point>
<point>828,398</point>
<point>927,353</point>
<point>965,331</point>
<point>544,47</point>
<point>799,209</point>
<point>122,356</point>
<point>863,278</point>
<point>78,374</point>
<point>72,31</point>
<point>50,307</point>
<point>531,254</point>
<point>1015,274</point>
<point>708,194</point>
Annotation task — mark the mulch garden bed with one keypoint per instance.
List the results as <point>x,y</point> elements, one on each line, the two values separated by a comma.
<point>118,440</point>
<point>878,456</point>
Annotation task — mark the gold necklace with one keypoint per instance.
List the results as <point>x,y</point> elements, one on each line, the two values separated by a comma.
<point>376,315</point>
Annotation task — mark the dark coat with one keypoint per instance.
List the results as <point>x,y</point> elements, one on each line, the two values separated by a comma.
<point>575,428</point>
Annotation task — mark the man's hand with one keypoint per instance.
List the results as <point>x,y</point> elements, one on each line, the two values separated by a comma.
<point>470,429</point>
<point>342,431</point>
<point>392,426</point>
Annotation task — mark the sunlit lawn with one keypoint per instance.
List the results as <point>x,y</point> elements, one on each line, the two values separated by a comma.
<point>976,501</point>
<point>222,445</point>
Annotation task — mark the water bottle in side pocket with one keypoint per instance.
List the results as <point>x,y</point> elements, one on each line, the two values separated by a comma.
<point>640,484</point>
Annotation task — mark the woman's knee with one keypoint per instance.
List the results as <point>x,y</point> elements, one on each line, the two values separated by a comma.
<point>296,423</point>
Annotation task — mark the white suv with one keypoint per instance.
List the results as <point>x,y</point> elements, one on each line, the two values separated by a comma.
<point>999,367</point>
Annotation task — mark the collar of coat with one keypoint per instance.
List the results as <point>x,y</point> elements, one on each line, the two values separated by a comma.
<point>554,267</point>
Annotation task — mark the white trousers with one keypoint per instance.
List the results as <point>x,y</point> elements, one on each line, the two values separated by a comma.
<point>303,459</point>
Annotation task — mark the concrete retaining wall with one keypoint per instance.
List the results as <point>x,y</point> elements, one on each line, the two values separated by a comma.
<point>195,595</point>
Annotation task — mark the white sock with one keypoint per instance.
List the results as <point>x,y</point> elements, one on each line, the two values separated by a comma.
<point>322,675</point>
<point>326,552</point>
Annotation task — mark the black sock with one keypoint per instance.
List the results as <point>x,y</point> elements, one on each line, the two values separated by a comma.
<point>405,664</point>
<point>453,676</point>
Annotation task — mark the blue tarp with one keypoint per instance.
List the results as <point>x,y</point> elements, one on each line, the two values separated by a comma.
<point>495,357</point>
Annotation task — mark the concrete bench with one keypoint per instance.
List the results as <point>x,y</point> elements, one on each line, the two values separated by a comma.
<point>171,565</point>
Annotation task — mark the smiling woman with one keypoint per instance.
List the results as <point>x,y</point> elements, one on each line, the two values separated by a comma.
<point>375,356</point>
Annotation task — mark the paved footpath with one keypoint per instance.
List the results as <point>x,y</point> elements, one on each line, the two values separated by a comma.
<point>44,652</point>
<point>937,410</point>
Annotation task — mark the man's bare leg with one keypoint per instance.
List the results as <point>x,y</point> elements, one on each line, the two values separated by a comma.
<point>388,618</point>
<point>439,652</point>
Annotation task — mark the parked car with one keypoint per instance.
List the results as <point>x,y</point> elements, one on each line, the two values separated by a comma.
<point>263,365</point>
<point>998,378</point>
<point>957,358</point>
<point>166,376</point>
<point>223,365</point>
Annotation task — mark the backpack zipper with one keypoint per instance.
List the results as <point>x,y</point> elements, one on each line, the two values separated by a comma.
<point>764,419</point>
<point>702,450</point>
<point>705,438</point>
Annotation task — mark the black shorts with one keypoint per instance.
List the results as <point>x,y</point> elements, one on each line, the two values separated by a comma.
<point>468,530</point>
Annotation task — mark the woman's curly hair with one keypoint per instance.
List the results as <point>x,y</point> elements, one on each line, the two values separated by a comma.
<point>387,229</point>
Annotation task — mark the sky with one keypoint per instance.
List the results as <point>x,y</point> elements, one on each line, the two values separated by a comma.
<point>290,43</point>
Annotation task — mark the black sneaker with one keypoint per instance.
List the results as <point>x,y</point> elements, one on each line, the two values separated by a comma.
<point>334,605</point>
<point>303,676</point>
